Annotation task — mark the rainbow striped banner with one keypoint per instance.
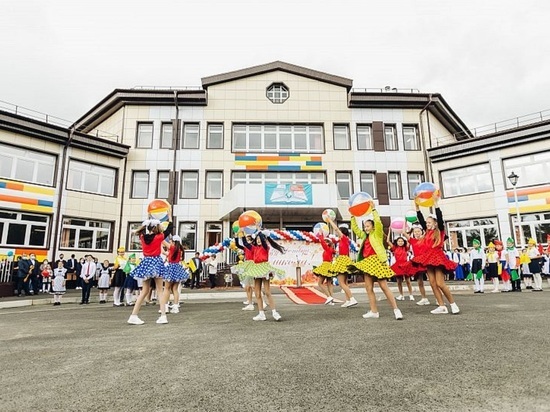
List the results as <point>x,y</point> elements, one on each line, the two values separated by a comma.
<point>25,196</point>
<point>282,162</point>
<point>533,199</point>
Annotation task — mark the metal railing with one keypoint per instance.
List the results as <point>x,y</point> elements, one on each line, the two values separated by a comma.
<point>387,89</point>
<point>6,267</point>
<point>167,88</point>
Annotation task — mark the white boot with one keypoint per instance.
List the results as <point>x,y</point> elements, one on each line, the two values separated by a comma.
<point>495,284</point>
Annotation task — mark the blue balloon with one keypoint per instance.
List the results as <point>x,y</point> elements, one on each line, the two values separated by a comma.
<point>10,253</point>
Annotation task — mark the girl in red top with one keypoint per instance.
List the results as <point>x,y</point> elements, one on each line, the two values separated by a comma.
<point>151,236</point>
<point>400,250</point>
<point>262,272</point>
<point>342,263</point>
<point>435,260</point>
<point>175,273</point>
<point>323,270</point>
<point>417,246</point>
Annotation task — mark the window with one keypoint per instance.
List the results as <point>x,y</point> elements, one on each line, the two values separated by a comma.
<point>344,183</point>
<point>166,136</point>
<point>532,169</point>
<point>276,177</point>
<point>23,229</point>
<point>341,137</point>
<point>277,93</point>
<point>413,180</point>
<point>188,234</point>
<point>189,184</point>
<point>87,177</point>
<point>140,185</point>
<point>213,234</point>
<point>27,165</point>
<point>144,135</point>
<point>390,138</point>
<point>163,185</point>
<point>134,244</point>
<point>394,185</point>
<point>368,183</point>
<point>463,232</point>
<point>278,138</point>
<point>191,136</point>
<point>467,180</point>
<point>364,137</point>
<point>411,140</point>
<point>214,185</point>
<point>79,233</point>
<point>215,136</point>
<point>534,226</point>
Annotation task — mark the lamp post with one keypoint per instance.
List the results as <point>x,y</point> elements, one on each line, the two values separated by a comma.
<point>514,181</point>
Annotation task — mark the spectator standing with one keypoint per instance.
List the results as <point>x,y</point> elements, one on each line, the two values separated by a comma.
<point>34,274</point>
<point>23,270</point>
<point>87,273</point>
<point>58,284</point>
<point>196,269</point>
<point>72,280</point>
<point>104,281</point>
<point>47,275</point>
<point>212,267</point>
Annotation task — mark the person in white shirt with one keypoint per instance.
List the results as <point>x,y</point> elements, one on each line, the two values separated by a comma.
<point>87,274</point>
<point>477,264</point>
<point>212,266</point>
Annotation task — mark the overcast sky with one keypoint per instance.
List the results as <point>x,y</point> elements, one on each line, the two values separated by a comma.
<point>490,59</point>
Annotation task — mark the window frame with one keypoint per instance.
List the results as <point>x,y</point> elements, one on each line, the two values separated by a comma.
<point>24,156</point>
<point>418,145</point>
<point>157,188</point>
<point>409,181</point>
<point>6,222</point>
<point>209,132</point>
<point>397,184</point>
<point>138,126</point>
<point>347,137</point>
<point>274,134</point>
<point>87,227</point>
<point>394,137</point>
<point>184,139</point>
<point>462,178</point>
<point>271,94</point>
<point>85,173</point>
<point>183,180</point>
<point>182,233</point>
<point>362,187</point>
<point>350,184</point>
<point>371,141</point>
<point>207,184</point>
<point>162,135</point>
<point>520,169</point>
<point>132,193</point>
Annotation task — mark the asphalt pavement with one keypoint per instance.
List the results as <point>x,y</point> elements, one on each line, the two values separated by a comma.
<point>212,356</point>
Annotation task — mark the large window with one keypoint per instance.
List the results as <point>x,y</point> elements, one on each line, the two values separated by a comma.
<point>85,234</point>
<point>87,177</point>
<point>344,183</point>
<point>534,226</point>
<point>413,180</point>
<point>166,136</point>
<point>163,184</point>
<point>144,138</point>
<point>394,185</point>
<point>278,138</point>
<point>189,184</point>
<point>467,180</point>
<point>134,244</point>
<point>411,140</point>
<point>188,233</point>
<point>276,177</point>
<point>532,169</point>
<point>213,234</point>
<point>27,165</point>
<point>364,137</point>
<point>367,182</point>
<point>140,184</point>
<point>463,232</point>
<point>215,136</point>
<point>214,185</point>
<point>23,229</point>
<point>341,137</point>
<point>191,136</point>
<point>390,138</point>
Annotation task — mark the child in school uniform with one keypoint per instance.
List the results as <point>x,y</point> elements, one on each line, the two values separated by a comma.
<point>104,280</point>
<point>58,283</point>
<point>477,264</point>
<point>491,258</point>
<point>512,257</point>
<point>47,274</point>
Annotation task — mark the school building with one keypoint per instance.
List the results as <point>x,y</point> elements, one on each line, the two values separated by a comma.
<point>284,140</point>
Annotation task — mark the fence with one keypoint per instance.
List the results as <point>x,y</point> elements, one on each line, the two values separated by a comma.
<point>6,267</point>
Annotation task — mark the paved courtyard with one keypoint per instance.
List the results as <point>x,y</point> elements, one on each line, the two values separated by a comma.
<point>494,356</point>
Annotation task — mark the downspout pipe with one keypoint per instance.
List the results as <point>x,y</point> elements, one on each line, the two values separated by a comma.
<point>428,166</point>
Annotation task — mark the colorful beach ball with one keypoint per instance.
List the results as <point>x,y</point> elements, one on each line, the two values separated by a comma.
<point>321,228</point>
<point>360,204</point>
<point>250,222</point>
<point>328,214</point>
<point>235,227</point>
<point>160,209</point>
<point>425,194</point>
<point>398,224</point>
<point>410,216</point>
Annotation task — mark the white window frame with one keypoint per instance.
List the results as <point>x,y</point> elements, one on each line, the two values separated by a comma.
<point>247,178</point>
<point>340,133</point>
<point>185,229</point>
<point>270,138</point>
<point>166,135</point>
<point>140,176</point>
<point>189,177</point>
<point>485,230</point>
<point>32,222</point>
<point>277,93</point>
<point>533,169</point>
<point>390,138</point>
<point>83,174</point>
<point>134,243</point>
<point>394,186</point>
<point>534,225</point>
<point>413,180</point>
<point>344,179</point>
<point>144,138</point>
<point>468,180</point>
<point>39,166</point>
<point>367,183</point>
<point>163,184</point>
<point>365,140</point>
<point>411,138</point>
<point>215,131</point>
<point>191,136</point>
<point>214,178</point>
<point>96,227</point>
